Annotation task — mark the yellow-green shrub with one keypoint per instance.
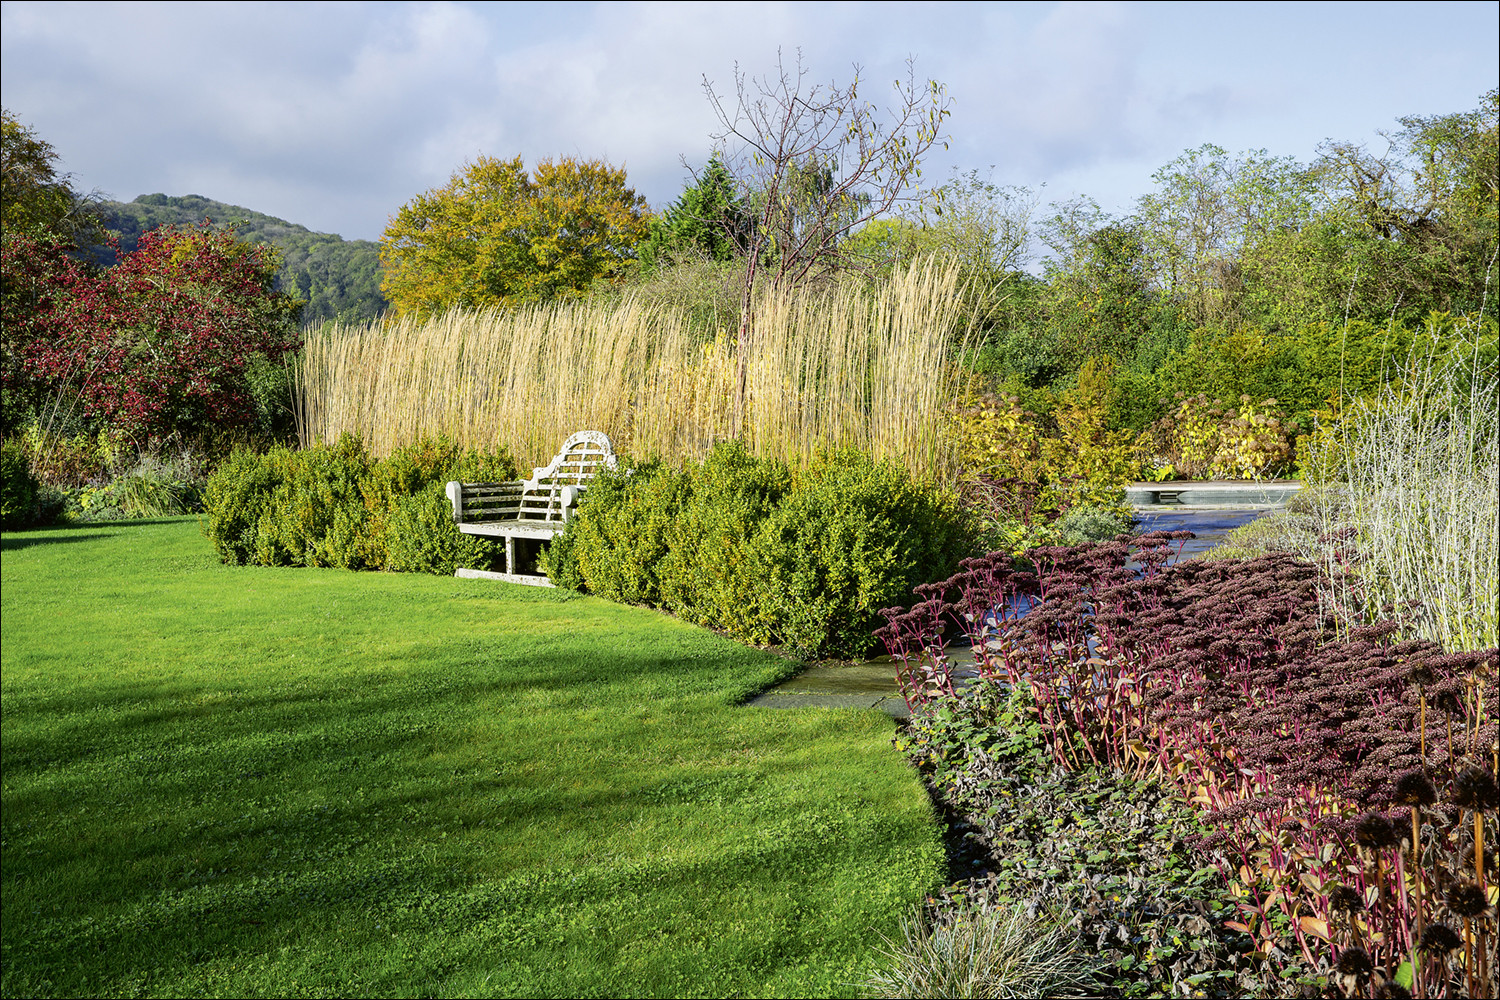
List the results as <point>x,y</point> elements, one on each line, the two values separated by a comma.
<point>1203,440</point>
<point>72,461</point>
<point>337,506</point>
<point>995,437</point>
<point>1081,462</point>
<point>1100,461</point>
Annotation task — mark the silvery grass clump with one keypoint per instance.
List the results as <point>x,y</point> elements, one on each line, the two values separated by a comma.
<point>991,953</point>
<point>1403,501</point>
<point>1293,528</point>
<point>1408,517</point>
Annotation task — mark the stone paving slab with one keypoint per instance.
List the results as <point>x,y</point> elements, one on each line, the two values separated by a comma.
<point>890,704</point>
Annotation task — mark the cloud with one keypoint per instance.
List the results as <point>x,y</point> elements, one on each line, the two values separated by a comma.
<point>335,115</point>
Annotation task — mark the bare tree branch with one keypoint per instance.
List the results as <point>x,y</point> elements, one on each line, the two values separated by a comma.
<point>818,161</point>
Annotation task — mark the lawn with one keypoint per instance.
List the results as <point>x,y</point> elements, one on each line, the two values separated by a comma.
<point>248,781</point>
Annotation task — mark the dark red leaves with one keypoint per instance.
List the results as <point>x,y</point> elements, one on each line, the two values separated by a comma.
<point>155,344</point>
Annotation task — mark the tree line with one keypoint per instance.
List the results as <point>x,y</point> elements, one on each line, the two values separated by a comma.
<point>1235,274</point>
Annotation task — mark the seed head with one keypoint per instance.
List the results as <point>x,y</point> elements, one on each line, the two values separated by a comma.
<point>1414,789</point>
<point>1475,788</point>
<point>1491,859</point>
<point>1447,701</point>
<point>1345,900</point>
<point>1467,900</point>
<point>1393,990</point>
<point>1439,939</point>
<point>1420,674</point>
<point>1374,831</point>
<point>1355,962</point>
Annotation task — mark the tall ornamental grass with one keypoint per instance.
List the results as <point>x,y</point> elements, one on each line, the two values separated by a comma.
<point>854,365</point>
<point>1408,514</point>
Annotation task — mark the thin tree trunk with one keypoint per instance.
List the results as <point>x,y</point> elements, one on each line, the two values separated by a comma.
<point>742,344</point>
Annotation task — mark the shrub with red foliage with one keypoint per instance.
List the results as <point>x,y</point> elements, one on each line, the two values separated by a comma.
<point>158,343</point>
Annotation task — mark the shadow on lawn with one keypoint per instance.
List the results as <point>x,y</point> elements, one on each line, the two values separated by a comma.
<point>283,829</point>
<point>90,531</point>
<point>252,888</point>
<point>11,542</point>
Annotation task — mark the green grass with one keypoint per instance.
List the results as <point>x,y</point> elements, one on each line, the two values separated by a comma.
<point>247,781</point>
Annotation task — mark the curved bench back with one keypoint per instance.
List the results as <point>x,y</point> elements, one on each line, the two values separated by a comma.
<point>547,496</point>
<point>577,461</point>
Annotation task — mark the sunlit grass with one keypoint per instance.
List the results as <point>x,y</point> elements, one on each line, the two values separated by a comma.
<point>245,781</point>
<point>854,365</point>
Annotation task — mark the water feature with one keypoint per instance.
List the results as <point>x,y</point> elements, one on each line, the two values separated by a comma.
<point>872,684</point>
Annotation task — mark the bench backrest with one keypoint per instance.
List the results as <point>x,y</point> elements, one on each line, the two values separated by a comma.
<point>578,460</point>
<point>547,496</point>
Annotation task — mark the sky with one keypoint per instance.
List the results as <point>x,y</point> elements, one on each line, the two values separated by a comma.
<point>334,115</point>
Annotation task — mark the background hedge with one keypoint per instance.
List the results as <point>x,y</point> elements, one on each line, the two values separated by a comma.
<point>338,506</point>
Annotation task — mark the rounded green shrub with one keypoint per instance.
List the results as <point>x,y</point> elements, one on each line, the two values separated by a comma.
<point>316,515</point>
<point>338,506</point>
<point>618,538</point>
<point>18,488</point>
<point>414,520</point>
<point>706,575</point>
<point>237,493</point>
<point>853,535</point>
<point>743,545</point>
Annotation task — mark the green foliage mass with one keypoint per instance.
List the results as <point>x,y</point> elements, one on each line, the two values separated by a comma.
<point>18,488</point>
<point>747,546</point>
<point>33,195</point>
<point>338,280</point>
<point>710,220</point>
<point>1252,274</point>
<point>338,506</point>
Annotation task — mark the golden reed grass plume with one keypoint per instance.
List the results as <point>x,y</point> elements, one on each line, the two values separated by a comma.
<point>868,366</point>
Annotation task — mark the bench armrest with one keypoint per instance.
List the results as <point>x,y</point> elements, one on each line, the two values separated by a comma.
<point>455,493</point>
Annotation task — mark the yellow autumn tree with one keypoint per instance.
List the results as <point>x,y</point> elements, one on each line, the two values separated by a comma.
<point>495,235</point>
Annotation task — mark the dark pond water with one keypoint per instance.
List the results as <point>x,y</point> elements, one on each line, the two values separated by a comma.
<point>872,684</point>
<point>1209,525</point>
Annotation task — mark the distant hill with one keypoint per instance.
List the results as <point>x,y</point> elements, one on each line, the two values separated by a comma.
<point>339,279</point>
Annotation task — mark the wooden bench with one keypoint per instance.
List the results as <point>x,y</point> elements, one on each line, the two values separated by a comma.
<point>531,511</point>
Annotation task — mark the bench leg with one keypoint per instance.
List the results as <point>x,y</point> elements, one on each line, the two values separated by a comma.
<point>510,555</point>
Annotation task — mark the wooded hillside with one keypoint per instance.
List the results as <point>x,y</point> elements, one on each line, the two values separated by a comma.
<point>338,279</point>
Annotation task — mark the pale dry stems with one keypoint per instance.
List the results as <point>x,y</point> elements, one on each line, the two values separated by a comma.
<point>1415,473</point>
<point>988,953</point>
<point>871,368</point>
